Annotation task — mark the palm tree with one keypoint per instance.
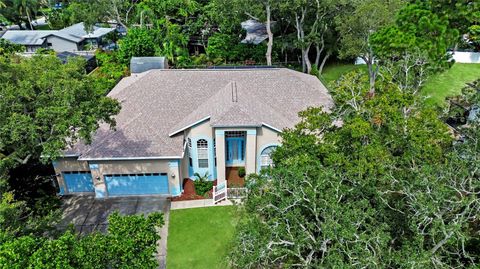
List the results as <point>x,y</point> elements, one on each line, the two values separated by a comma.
<point>25,7</point>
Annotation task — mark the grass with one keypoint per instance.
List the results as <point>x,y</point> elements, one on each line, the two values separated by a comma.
<point>450,82</point>
<point>437,88</point>
<point>332,73</point>
<point>200,237</point>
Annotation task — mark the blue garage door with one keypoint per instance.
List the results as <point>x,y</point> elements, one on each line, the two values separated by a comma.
<point>136,184</point>
<point>78,181</point>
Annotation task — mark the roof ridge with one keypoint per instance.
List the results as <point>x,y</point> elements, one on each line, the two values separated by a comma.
<point>176,129</point>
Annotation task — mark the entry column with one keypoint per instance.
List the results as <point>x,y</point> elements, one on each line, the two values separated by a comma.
<point>220,152</point>
<point>251,151</point>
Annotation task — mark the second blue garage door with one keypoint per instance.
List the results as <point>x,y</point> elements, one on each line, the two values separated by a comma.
<point>137,184</point>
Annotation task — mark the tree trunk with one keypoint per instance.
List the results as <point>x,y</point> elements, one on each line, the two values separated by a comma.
<point>320,68</point>
<point>268,55</point>
<point>29,19</point>
<point>304,65</point>
<point>307,60</point>
<point>319,53</point>
<point>372,73</point>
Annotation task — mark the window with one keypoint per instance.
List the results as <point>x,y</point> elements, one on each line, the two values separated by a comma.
<point>189,145</point>
<point>202,151</point>
<point>235,134</point>
<point>266,157</point>
<point>215,151</point>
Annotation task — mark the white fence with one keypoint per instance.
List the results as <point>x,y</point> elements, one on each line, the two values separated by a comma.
<point>236,193</point>
<point>466,57</point>
<point>459,57</point>
<point>219,192</point>
<point>222,192</point>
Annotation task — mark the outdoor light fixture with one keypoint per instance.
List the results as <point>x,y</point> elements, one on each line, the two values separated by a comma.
<point>173,175</point>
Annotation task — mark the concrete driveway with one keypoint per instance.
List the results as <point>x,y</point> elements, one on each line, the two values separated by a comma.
<point>88,214</point>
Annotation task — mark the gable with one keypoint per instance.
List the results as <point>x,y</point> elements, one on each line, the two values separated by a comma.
<point>159,104</point>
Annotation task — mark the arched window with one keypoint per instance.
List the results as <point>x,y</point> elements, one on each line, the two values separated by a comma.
<point>202,153</point>
<point>266,157</point>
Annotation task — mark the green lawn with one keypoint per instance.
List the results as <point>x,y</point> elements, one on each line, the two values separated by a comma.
<point>333,72</point>
<point>200,237</point>
<point>450,82</point>
<point>436,88</point>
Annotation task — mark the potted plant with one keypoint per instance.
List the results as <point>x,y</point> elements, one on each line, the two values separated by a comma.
<point>241,172</point>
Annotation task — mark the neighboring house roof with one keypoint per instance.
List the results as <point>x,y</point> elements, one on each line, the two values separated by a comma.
<point>157,105</point>
<point>256,31</point>
<point>63,56</point>
<point>27,37</point>
<point>75,33</point>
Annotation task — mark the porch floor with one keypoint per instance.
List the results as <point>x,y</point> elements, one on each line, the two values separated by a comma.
<point>233,180</point>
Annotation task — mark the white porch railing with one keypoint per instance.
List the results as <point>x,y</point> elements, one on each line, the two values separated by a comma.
<point>220,192</point>
<point>236,193</point>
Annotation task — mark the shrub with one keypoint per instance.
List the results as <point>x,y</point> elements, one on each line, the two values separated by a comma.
<point>241,172</point>
<point>129,243</point>
<point>202,184</point>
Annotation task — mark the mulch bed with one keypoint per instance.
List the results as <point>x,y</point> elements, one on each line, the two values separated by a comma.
<point>189,192</point>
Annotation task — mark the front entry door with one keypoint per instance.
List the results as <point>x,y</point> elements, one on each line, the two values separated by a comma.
<point>235,151</point>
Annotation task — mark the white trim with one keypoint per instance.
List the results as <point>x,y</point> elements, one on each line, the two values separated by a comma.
<point>130,158</point>
<point>69,155</point>
<point>190,125</point>
<point>271,127</point>
<point>236,126</point>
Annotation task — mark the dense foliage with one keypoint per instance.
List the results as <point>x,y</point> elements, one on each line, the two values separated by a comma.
<point>8,48</point>
<point>385,188</point>
<point>47,105</point>
<point>130,242</point>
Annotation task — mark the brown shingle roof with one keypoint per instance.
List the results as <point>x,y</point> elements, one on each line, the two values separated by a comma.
<point>159,104</point>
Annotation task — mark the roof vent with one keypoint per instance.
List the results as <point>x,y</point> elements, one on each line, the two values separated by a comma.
<point>234,92</point>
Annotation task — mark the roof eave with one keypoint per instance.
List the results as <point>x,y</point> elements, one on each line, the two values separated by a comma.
<point>129,158</point>
<point>237,126</point>
<point>271,127</point>
<point>189,126</point>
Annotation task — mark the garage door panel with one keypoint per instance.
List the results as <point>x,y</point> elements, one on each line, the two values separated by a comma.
<point>78,182</point>
<point>137,184</point>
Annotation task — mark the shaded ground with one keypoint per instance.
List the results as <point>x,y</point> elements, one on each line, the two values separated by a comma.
<point>88,214</point>
<point>200,237</point>
<point>233,180</point>
<point>188,192</point>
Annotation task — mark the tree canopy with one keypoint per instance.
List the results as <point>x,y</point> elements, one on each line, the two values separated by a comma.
<point>385,188</point>
<point>46,106</point>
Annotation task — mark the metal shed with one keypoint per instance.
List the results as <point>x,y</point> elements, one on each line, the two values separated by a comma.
<point>142,64</point>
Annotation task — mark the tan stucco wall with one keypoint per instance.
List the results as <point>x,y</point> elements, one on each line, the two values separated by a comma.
<point>202,129</point>
<point>70,164</point>
<point>266,136</point>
